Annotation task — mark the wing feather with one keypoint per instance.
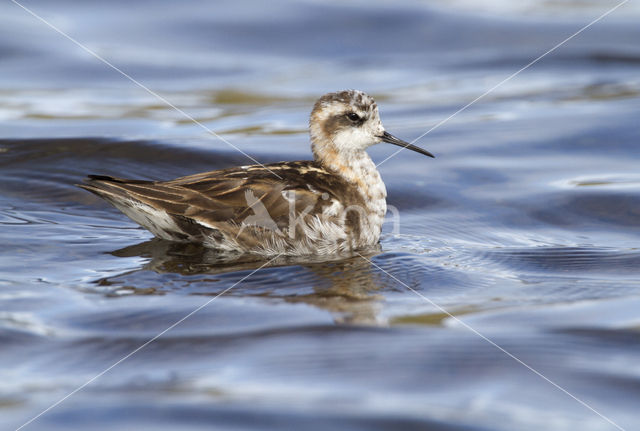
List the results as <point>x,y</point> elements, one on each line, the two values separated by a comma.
<point>223,199</point>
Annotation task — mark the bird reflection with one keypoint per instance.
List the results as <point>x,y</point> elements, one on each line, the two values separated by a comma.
<point>345,286</point>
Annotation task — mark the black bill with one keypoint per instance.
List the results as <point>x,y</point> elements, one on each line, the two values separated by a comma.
<point>390,139</point>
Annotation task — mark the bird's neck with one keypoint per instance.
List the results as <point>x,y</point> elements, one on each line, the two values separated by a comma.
<point>357,168</point>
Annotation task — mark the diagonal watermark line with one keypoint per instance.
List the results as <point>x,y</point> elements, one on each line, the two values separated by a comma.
<point>508,78</point>
<point>503,350</point>
<point>138,83</point>
<point>151,340</point>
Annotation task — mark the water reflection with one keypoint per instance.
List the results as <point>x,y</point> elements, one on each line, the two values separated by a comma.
<point>346,286</point>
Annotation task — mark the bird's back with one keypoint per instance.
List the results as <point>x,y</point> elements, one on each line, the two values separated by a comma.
<point>288,207</point>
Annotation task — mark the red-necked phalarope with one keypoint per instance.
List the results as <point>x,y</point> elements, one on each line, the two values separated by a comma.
<point>333,204</point>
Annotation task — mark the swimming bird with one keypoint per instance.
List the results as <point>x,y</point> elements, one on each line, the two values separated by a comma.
<point>334,203</point>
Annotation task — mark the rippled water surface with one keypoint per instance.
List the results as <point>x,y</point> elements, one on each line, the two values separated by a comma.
<point>508,299</point>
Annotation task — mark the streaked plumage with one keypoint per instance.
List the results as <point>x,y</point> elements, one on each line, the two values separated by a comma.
<point>332,204</point>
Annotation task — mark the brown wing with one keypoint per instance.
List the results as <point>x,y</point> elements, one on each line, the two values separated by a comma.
<point>231,196</point>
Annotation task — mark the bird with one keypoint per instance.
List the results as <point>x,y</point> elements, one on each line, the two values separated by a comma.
<point>333,204</point>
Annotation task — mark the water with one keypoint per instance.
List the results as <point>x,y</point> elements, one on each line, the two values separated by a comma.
<point>525,227</point>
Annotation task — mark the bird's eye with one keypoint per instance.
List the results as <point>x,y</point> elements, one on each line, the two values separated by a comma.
<point>353,116</point>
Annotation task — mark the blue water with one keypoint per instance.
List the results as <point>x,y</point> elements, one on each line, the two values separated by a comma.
<point>521,237</point>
